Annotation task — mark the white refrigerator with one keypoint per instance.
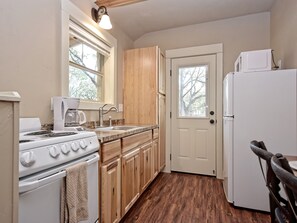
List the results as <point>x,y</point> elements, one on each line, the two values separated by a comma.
<point>257,106</point>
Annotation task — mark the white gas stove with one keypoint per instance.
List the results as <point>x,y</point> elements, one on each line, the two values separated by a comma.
<point>41,150</point>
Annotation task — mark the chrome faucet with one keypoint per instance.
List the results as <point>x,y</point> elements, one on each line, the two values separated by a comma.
<point>101,113</point>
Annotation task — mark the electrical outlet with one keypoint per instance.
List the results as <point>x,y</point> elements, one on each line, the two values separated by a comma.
<point>279,64</point>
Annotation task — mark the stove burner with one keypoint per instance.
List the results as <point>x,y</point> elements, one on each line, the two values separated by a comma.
<point>25,140</point>
<point>43,132</point>
<point>59,134</point>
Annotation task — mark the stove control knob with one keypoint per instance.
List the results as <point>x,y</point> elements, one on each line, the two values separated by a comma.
<point>65,150</point>
<point>54,152</point>
<point>27,159</point>
<point>74,146</point>
<point>83,144</point>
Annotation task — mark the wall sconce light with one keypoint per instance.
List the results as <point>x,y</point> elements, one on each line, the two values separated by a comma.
<point>102,17</point>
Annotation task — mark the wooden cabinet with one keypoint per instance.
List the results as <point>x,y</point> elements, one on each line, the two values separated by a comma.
<point>162,132</point>
<point>128,166</point>
<point>156,161</point>
<point>144,90</point>
<point>111,182</point>
<point>140,85</point>
<point>130,179</point>
<point>147,169</point>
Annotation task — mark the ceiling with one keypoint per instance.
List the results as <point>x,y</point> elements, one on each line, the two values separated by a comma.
<point>155,15</point>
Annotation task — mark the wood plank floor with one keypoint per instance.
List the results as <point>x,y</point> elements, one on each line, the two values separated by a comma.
<point>186,198</point>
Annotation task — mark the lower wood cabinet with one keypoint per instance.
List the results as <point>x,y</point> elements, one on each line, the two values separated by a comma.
<point>156,157</point>
<point>111,192</point>
<point>146,161</point>
<point>130,179</point>
<point>128,166</point>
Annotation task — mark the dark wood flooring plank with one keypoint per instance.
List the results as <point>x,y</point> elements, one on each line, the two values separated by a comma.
<point>187,198</point>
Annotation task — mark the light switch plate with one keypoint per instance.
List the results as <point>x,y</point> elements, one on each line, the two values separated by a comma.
<point>121,107</point>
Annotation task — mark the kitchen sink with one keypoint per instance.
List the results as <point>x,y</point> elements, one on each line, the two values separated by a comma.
<point>119,127</point>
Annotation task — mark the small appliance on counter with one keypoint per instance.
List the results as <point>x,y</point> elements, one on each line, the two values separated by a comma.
<point>66,114</point>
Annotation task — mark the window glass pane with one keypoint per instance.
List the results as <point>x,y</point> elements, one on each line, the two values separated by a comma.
<point>192,91</point>
<point>84,84</point>
<point>84,55</point>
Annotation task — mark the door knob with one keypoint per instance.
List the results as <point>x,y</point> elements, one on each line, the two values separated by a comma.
<point>211,121</point>
<point>211,112</point>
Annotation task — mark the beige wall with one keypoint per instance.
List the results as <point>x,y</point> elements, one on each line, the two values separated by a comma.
<point>30,53</point>
<point>244,33</point>
<point>284,32</point>
<point>124,42</point>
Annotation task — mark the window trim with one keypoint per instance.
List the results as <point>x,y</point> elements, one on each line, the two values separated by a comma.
<point>69,13</point>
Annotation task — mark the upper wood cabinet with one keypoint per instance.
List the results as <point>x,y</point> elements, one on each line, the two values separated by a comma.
<point>142,85</point>
<point>161,76</point>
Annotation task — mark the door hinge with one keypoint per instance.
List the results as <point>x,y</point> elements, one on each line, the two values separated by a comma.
<point>170,73</point>
<point>213,171</point>
<point>170,156</point>
<point>170,115</point>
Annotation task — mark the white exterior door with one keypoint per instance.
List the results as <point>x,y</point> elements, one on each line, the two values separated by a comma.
<point>194,114</point>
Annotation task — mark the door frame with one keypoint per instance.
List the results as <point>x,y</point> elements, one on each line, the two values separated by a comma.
<point>214,49</point>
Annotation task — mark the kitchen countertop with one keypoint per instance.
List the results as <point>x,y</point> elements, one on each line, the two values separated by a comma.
<point>110,135</point>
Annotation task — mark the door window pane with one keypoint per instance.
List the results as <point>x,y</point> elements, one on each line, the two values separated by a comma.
<point>192,91</point>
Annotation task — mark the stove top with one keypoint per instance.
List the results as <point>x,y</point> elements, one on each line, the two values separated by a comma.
<point>42,149</point>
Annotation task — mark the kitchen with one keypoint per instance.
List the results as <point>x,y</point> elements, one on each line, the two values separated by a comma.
<point>33,28</point>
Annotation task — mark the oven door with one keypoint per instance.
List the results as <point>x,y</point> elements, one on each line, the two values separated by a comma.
<point>39,198</point>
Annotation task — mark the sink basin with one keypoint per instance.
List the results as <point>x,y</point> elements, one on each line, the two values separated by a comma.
<point>120,127</point>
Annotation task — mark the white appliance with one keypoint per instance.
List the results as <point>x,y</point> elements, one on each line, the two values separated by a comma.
<point>249,61</point>
<point>66,114</point>
<point>257,106</point>
<point>43,159</point>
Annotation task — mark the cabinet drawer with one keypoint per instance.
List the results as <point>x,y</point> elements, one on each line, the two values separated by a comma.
<point>110,150</point>
<point>133,141</point>
<point>155,133</point>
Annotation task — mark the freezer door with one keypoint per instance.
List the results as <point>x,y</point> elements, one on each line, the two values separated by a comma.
<point>228,158</point>
<point>228,95</point>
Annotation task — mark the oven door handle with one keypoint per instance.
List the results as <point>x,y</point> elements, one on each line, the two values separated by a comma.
<point>93,160</point>
<point>31,185</point>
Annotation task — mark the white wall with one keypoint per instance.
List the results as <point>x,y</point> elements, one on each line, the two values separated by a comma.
<point>30,53</point>
<point>244,33</point>
<point>284,32</point>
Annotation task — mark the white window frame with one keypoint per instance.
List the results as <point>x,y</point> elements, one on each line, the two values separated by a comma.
<point>71,12</point>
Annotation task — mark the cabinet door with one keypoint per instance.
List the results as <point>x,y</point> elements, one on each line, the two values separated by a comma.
<point>162,131</point>
<point>130,179</point>
<point>140,85</point>
<point>162,77</point>
<point>111,192</point>
<point>147,165</point>
<point>156,157</point>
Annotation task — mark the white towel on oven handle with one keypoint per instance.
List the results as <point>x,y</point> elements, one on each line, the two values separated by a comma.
<point>74,194</point>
